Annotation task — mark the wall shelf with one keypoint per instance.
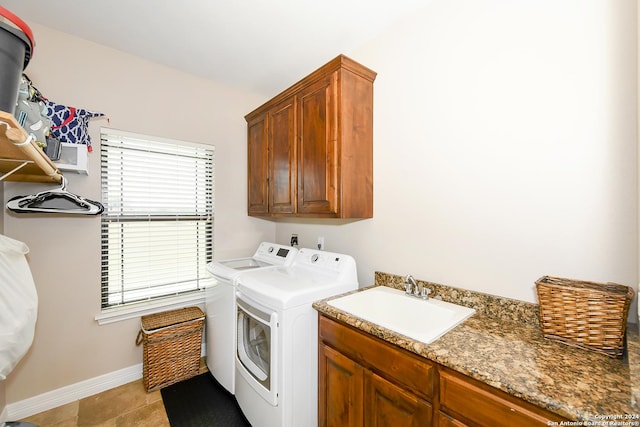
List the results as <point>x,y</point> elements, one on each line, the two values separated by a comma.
<point>20,157</point>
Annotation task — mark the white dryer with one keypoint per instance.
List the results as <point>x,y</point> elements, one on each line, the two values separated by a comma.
<point>220,306</point>
<point>277,336</point>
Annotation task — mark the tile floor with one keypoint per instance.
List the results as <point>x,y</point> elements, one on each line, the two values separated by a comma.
<point>126,406</point>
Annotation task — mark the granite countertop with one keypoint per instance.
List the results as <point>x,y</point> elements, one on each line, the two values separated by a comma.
<point>503,346</point>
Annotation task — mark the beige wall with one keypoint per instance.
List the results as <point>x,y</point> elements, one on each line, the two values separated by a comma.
<point>137,96</point>
<point>504,147</point>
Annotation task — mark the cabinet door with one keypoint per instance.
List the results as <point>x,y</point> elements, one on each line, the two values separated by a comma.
<point>339,390</point>
<point>282,157</point>
<point>318,148</point>
<point>387,405</point>
<point>258,166</point>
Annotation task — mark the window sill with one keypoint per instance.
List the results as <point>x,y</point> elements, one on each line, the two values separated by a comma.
<point>136,310</point>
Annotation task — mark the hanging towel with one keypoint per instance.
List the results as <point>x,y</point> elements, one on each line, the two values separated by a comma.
<point>18,304</point>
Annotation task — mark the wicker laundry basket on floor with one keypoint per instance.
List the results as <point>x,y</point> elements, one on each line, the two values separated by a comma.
<point>172,346</point>
<point>584,314</point>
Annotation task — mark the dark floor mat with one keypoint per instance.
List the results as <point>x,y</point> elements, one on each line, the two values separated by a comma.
<point>201,402</point>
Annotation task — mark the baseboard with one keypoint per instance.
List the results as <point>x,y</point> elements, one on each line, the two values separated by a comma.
<point>62,396</point>
<point>67,394</point>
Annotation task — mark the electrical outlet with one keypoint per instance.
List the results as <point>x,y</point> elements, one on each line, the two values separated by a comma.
<point>321,243</point>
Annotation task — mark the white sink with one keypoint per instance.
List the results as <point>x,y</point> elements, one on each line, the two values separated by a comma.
<point>422,320</point>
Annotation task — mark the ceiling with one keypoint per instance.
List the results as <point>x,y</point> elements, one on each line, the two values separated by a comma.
<point>260,45</point>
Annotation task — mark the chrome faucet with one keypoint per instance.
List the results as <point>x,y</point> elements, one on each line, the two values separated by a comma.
<point>412,288</point>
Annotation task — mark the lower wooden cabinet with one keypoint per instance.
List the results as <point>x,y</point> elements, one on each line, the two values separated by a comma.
<point>365,381</point>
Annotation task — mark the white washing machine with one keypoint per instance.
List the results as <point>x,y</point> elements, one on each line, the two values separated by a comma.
<point>277,336</point>
<point>220,306</point>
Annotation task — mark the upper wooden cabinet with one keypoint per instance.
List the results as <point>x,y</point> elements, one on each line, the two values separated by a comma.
<point>310,149</point>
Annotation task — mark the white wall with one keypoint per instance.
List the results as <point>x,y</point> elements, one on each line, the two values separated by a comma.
<point>141,97</point>
<point>504,147</point>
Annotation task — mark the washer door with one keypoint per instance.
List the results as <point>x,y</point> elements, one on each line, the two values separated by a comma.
<point>257,347</point>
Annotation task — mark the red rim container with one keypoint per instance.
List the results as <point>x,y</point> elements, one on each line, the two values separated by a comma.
<point>16,50</point>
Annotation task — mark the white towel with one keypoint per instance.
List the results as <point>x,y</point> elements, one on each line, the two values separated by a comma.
<point>18,304</point>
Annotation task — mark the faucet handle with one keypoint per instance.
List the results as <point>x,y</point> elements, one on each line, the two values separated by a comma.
<point>425,292</point>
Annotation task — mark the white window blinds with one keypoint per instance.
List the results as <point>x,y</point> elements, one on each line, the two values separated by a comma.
<point>157,227</point>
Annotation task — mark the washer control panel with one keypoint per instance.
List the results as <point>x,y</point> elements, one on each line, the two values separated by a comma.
<point>275,254</point>
<point>323,260</point>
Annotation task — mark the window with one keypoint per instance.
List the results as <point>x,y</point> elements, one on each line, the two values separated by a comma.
<point>157,227</point>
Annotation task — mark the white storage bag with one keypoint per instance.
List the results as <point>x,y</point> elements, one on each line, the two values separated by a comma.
<point>18,304</point>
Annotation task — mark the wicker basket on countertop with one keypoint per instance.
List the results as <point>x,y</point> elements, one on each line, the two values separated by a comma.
<point>583,314</point>
<point>172,346</point>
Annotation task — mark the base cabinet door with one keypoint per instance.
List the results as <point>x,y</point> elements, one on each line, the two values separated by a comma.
<point>340,399</point>
<point>387,405</point>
